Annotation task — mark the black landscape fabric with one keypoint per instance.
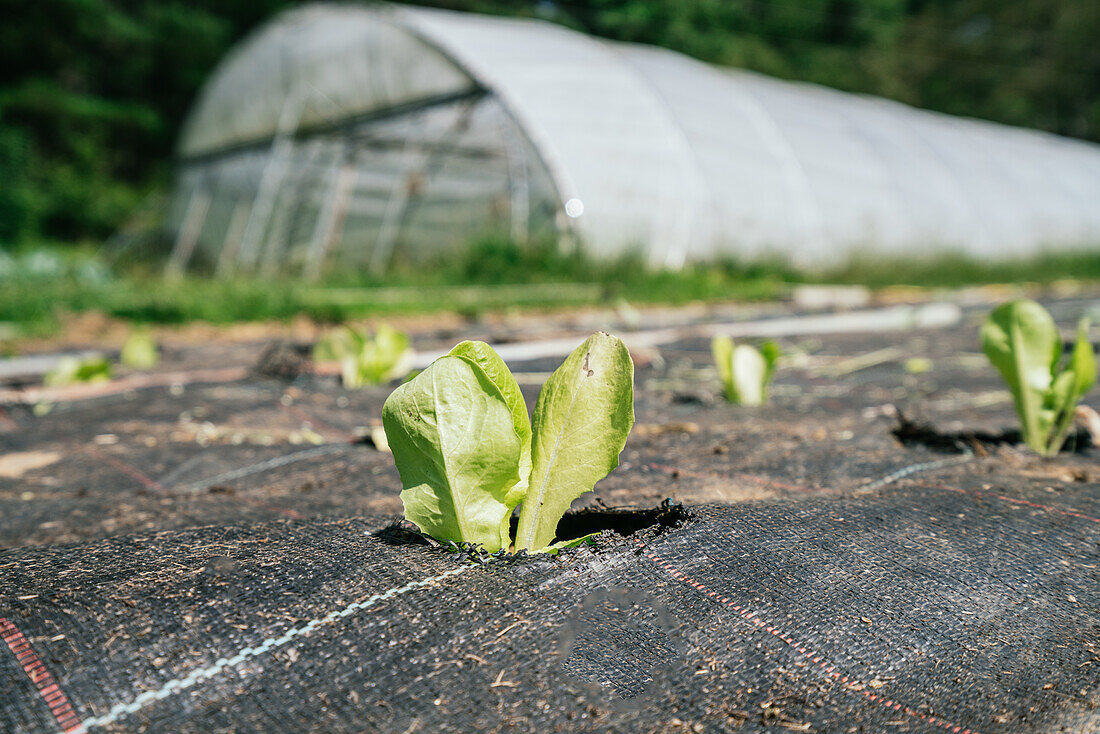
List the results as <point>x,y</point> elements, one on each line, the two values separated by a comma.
<point>868,553</point>
<point>917,609</point>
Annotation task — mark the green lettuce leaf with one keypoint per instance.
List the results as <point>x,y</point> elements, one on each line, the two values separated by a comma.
<point>722,349</point>
<point>745,372</point>
<point>455,444</point>
<point>561,545</point>
<point>73,370</point>
<point>749,369</point>
<point>581,421</point>
<point>1070,386</point>
<point>496,370</point>
<point>1022,341</point>
<point>771,353</point>
<point>387,356</point>
<point>139,351</point>
<point>366,359</point>
<point>1083,361</point>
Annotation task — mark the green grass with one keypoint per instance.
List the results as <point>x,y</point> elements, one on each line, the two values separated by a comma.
<point>37,308</point>
<point>954,271</point>
<point>489,275</point>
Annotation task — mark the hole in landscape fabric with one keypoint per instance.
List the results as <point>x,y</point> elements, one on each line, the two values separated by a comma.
<point>667,516</point>
<point>399,532</point>
<point>624,522</point>
<point>911,433</point>
<point>284,361</point>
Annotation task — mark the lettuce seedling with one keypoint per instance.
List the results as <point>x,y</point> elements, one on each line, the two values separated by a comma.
<point>73,370</point>
<point>1023,343</point>
<point>456,446</point>
<point>917,365</point>
<point>745,371</point>
<point>366,359</point>
<point>468,454</point>
<point>139,351</point>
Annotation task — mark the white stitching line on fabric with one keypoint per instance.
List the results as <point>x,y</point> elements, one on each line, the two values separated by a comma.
<point>915,469</point>
<point>263,466</point>
<point>202,674</point>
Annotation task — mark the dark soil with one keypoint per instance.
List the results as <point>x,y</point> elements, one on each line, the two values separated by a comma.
<point>961,442</point>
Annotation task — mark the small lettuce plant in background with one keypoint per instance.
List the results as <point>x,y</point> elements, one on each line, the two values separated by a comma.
<point>468,454</point>
<point>1023,343</point>
<point>745,371</point>
<point>75,370</point>
<point>366,359</point>
<point>139,351</point>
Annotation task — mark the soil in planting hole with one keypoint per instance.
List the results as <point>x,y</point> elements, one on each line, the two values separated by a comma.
<point>910,433</point>
<point>667,516</point>
<point>284,361</point>
<point>399,532</point>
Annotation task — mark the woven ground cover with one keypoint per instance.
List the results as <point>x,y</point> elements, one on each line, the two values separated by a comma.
<point>870,552</point>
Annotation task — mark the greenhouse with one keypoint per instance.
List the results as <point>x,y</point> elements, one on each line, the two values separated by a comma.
<point>346,137</point>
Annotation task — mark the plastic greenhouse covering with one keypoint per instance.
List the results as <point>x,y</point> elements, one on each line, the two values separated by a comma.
<point>353,137</point>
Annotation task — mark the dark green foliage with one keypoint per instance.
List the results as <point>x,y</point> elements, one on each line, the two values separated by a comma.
<point>496,259</point>
<point>17,201</point>
<point>92,92</point>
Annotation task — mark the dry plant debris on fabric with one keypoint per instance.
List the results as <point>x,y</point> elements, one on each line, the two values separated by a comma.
<point>876,547</point>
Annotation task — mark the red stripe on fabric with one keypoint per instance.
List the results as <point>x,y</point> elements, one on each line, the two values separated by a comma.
<point>128,470</point>
<point>158,487</point>
<point>48,688</point>
<point>1012,500</point>
<point>800,648</point>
